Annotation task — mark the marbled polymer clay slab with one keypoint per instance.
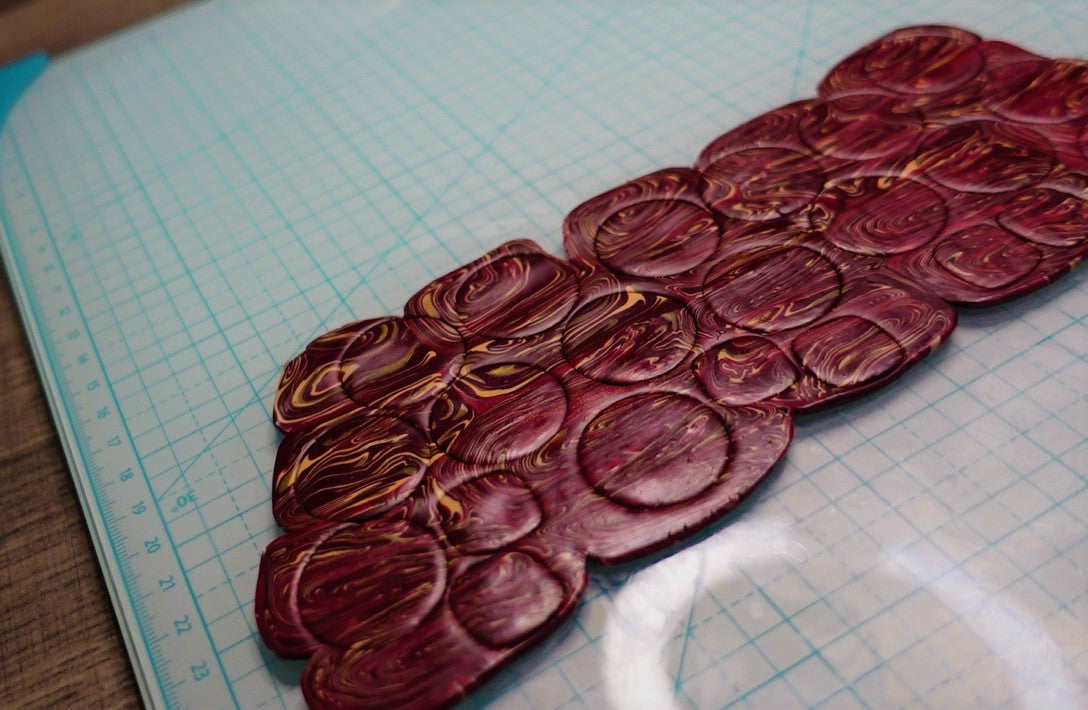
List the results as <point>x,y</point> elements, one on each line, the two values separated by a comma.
<point>446,475</point>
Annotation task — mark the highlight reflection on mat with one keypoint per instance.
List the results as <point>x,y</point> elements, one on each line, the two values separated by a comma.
<point>187,204</point>
<point>446,475</point>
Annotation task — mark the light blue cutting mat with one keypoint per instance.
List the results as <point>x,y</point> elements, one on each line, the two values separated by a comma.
<point>187,204</point>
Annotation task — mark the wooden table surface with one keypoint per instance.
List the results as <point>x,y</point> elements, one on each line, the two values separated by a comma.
<point>59,641</point>
<point>60,645</point>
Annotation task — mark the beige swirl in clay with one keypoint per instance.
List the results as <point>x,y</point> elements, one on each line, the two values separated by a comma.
<point>447,475</point>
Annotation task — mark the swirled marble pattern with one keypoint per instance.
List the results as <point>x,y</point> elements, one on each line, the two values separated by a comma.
<point>446,475</point>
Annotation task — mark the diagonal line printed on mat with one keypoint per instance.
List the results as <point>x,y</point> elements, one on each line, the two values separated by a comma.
<point>225,184</point>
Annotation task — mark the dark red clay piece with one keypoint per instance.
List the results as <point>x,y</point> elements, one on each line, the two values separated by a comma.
<point>446,475</point>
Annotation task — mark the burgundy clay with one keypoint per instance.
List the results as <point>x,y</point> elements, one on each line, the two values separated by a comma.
<point>447,475</point>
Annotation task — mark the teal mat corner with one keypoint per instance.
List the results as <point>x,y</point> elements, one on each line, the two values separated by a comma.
<point>16,78</point>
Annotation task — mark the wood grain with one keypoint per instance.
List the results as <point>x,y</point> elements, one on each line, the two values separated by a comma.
<point>60,645</point>
<point>55,26</point>
<point>59,641</point>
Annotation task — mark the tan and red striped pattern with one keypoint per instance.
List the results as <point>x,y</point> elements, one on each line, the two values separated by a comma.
<point>446,475</point>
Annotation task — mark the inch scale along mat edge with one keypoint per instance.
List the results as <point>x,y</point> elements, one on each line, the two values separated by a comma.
<point>123,520</point>
<point>181,669</point>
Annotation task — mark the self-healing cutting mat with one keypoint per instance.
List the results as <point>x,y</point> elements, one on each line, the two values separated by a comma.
<point>186,205</point>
